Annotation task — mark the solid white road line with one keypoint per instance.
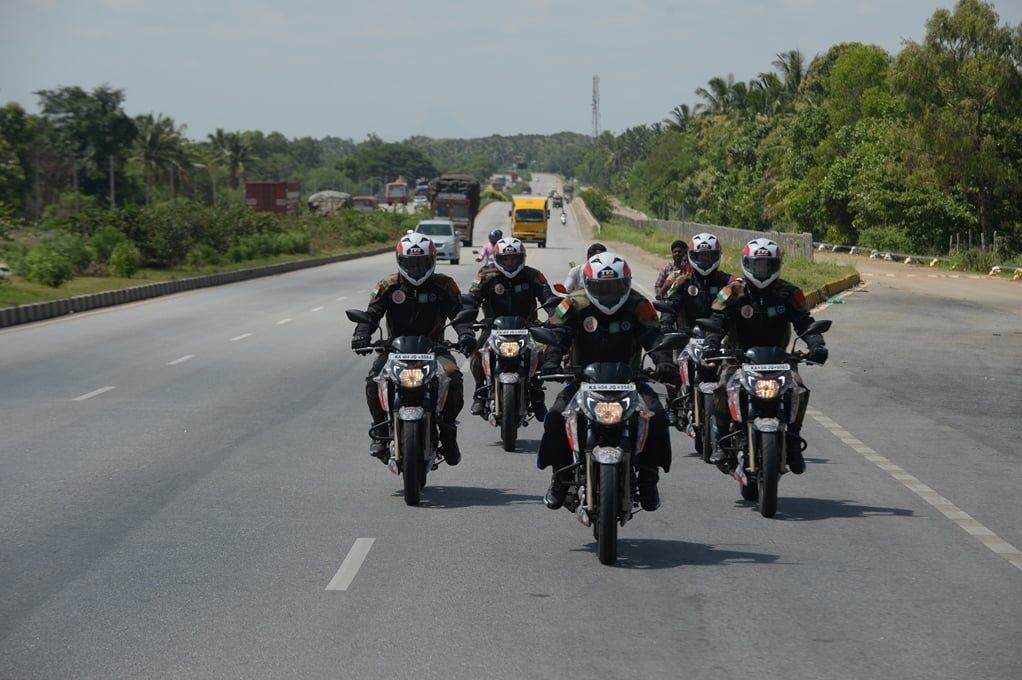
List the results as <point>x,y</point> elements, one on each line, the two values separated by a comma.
<point>93,393</point>
<point>351,564</point>
<point>318,309</point>
<point>241,337</point>
<point>180,360</point>
<point>963,519</point>
<point>284,321</point>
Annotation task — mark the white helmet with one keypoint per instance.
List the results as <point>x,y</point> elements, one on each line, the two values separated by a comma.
<point>509,256</point>
<point>761,262</point>
<point>416,258</point>
<point>704,253</point>
<point>607,280</point>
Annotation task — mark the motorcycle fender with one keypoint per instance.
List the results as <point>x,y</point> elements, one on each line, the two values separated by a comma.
<point>608,455</point>
<point>768,425</point>
<point>411,413</point>
<point>506,378</point>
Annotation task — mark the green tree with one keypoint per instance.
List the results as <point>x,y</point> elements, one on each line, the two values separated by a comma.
<point>160,148</point>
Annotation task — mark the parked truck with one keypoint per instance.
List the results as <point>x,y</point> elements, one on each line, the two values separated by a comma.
<point>455,197</point>
<point>276,197</point>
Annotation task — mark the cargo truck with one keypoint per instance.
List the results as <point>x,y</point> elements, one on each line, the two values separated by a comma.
<point>275,197</point>
<point>455,197</point>
<point>529,215</point>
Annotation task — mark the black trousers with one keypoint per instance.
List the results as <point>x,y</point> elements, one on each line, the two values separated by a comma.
<point>555,451</point>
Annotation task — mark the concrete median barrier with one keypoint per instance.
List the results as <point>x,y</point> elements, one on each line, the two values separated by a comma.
<point>39,311</point>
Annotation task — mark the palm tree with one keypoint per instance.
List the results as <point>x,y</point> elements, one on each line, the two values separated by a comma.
<point>792,67</point>
<point>234,152</point>
<point>160,149</point>
<point>681,116</point>
<point>718,97</point>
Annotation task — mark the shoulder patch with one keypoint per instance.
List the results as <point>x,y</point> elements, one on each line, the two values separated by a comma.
<point>798,300</point>
<point>563,308</point>
<point>381,287</point>
<point>730,292</point>
<point>645,311</point>
<point>540,277</point>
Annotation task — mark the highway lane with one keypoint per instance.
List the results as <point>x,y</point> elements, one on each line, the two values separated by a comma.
<point>187,523</point>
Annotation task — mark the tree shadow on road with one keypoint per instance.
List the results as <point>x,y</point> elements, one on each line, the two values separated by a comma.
<point>448,497</point>
<point>812,509</point>
<point>657,553</point>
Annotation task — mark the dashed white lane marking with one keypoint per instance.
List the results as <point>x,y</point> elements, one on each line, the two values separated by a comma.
<point>342,298</point>
<point>351,564</point>
<point>318,309</point>
<point>241,337</point>
<point>890,276</point>
<point>180,360</point>
<point>964,520</point>
<point>284,321</point>
<point>93,393</point>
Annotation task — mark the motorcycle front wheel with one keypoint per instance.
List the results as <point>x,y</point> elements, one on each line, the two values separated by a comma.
<point>770,449</point>
<point>509,416</point>
<point>606,533</point>
<point>413,467</point>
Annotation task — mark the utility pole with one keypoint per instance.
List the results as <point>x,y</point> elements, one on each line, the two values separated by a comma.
<point>596,106</point>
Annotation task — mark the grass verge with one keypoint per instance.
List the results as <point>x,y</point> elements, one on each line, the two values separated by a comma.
<point>806,274</point>
<point>18,291</point>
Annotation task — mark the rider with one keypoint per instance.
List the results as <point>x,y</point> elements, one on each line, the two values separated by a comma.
<point>486,257</point>
<point>508,288</point>
<point>760,309</point>
<point>574,280</point>
<point>417,301</point>
<point>693,293</point>
<point>606,321</point>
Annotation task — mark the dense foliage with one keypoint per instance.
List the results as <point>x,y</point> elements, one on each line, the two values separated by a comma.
<point>901,152</point>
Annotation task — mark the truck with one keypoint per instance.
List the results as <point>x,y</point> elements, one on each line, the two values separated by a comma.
<point>455,196</point>
<point>396,192</point>
<point>275,197</point>
<point>529,215</point>
<point>569,190</point>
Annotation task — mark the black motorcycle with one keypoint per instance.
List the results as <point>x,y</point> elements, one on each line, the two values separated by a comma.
<point>607,422</point>
<point>509,359</point>
<point>763,400</point>
<point>412,389</point>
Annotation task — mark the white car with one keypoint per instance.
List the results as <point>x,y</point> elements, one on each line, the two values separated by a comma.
<point>5,271</point>
<point>443,236</point>
<point>420,203</point>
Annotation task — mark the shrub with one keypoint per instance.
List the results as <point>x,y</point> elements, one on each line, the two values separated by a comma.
<point>104,240</point>
<point>201,255</point>
<point>125,260</point>
<point>46,265</point>
<point>597,202</point>
<point>74,247</point>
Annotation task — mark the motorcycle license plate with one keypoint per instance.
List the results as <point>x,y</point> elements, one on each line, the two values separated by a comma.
<point>766,368</point>
<point>608,387</point>
<point>412,357</point>
<point>512,331</point>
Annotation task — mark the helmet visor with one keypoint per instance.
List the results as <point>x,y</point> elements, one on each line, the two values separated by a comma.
<point>761,268</point>
<point>608,292</point>
<point>510,262</point>
<point>416,266</point>
<point>704,259</point>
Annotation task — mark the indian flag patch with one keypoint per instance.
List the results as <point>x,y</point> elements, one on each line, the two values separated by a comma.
<point>375,292</point>
<point>724,294</point>
<point>563,308</point>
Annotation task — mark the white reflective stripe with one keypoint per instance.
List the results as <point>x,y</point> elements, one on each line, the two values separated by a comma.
<point>511,331</point>
<point>412,357</point>
<point>759,368</point>
<point>608,387</point>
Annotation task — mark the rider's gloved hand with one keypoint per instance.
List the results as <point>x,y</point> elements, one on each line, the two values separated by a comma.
<point>668,373</point>
<point>550,368</point>
<point>361,342</point>
<point>467,343</point>
<point>817,354</point>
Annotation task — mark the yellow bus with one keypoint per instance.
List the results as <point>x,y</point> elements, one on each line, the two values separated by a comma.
<point>529,215</point>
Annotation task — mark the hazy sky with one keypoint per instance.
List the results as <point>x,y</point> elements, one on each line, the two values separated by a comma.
<point>444,68</point>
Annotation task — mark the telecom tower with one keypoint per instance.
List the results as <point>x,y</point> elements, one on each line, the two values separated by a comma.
<point>596,106</point>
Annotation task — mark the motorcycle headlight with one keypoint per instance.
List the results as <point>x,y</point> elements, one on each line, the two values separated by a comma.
<point>411,377</point>
<point>608,412</point>
<point>510,349</point>
<point>767,389</point>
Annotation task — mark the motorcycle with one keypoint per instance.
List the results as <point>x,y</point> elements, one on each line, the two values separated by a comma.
<point>607,422</point>
<point>412,388</point>
<point>509,359</point>
<point>564,218</point>
<point>763,400</point>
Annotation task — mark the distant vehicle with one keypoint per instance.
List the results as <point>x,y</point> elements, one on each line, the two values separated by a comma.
<point>455,197</point>
<point>329,202</point>
<point>275,197</point>
<point>526,189</point>
<point>396,192</point>
<point>422,188</point>
<point>420,202</point>
<point>569,191</point>
<point>556,199</point>
<point>5,271</point>
<point>444,236</point>
<point>364,203</point>
<point>529,215</point>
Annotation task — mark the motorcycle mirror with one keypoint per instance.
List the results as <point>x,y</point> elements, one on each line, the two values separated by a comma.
<point>358,316</point>
<point>464,316</point>
<point>663,306</point>
<point>710,325</point>
<point>546,336</point>
<point>467,300</point>
<point>670,341</point>
<point>817,327</point>
<point>559,287</point>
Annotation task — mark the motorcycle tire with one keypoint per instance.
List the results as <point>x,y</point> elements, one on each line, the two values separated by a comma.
<point>606,534</point>
<point>708,430</point>
<point>509,416</point>
<point>770,448</point>
<point>413,467</point>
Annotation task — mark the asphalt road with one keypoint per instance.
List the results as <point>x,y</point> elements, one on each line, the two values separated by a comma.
<point>187,522</point>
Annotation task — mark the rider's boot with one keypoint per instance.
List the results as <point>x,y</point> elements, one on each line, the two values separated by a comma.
<point>649,496</point>
<point>537,398</point>
<point>380,451</point>
<point>796,461</point>
<point>478,405</point>
<point>557,492</point>
<point>449,442</point>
